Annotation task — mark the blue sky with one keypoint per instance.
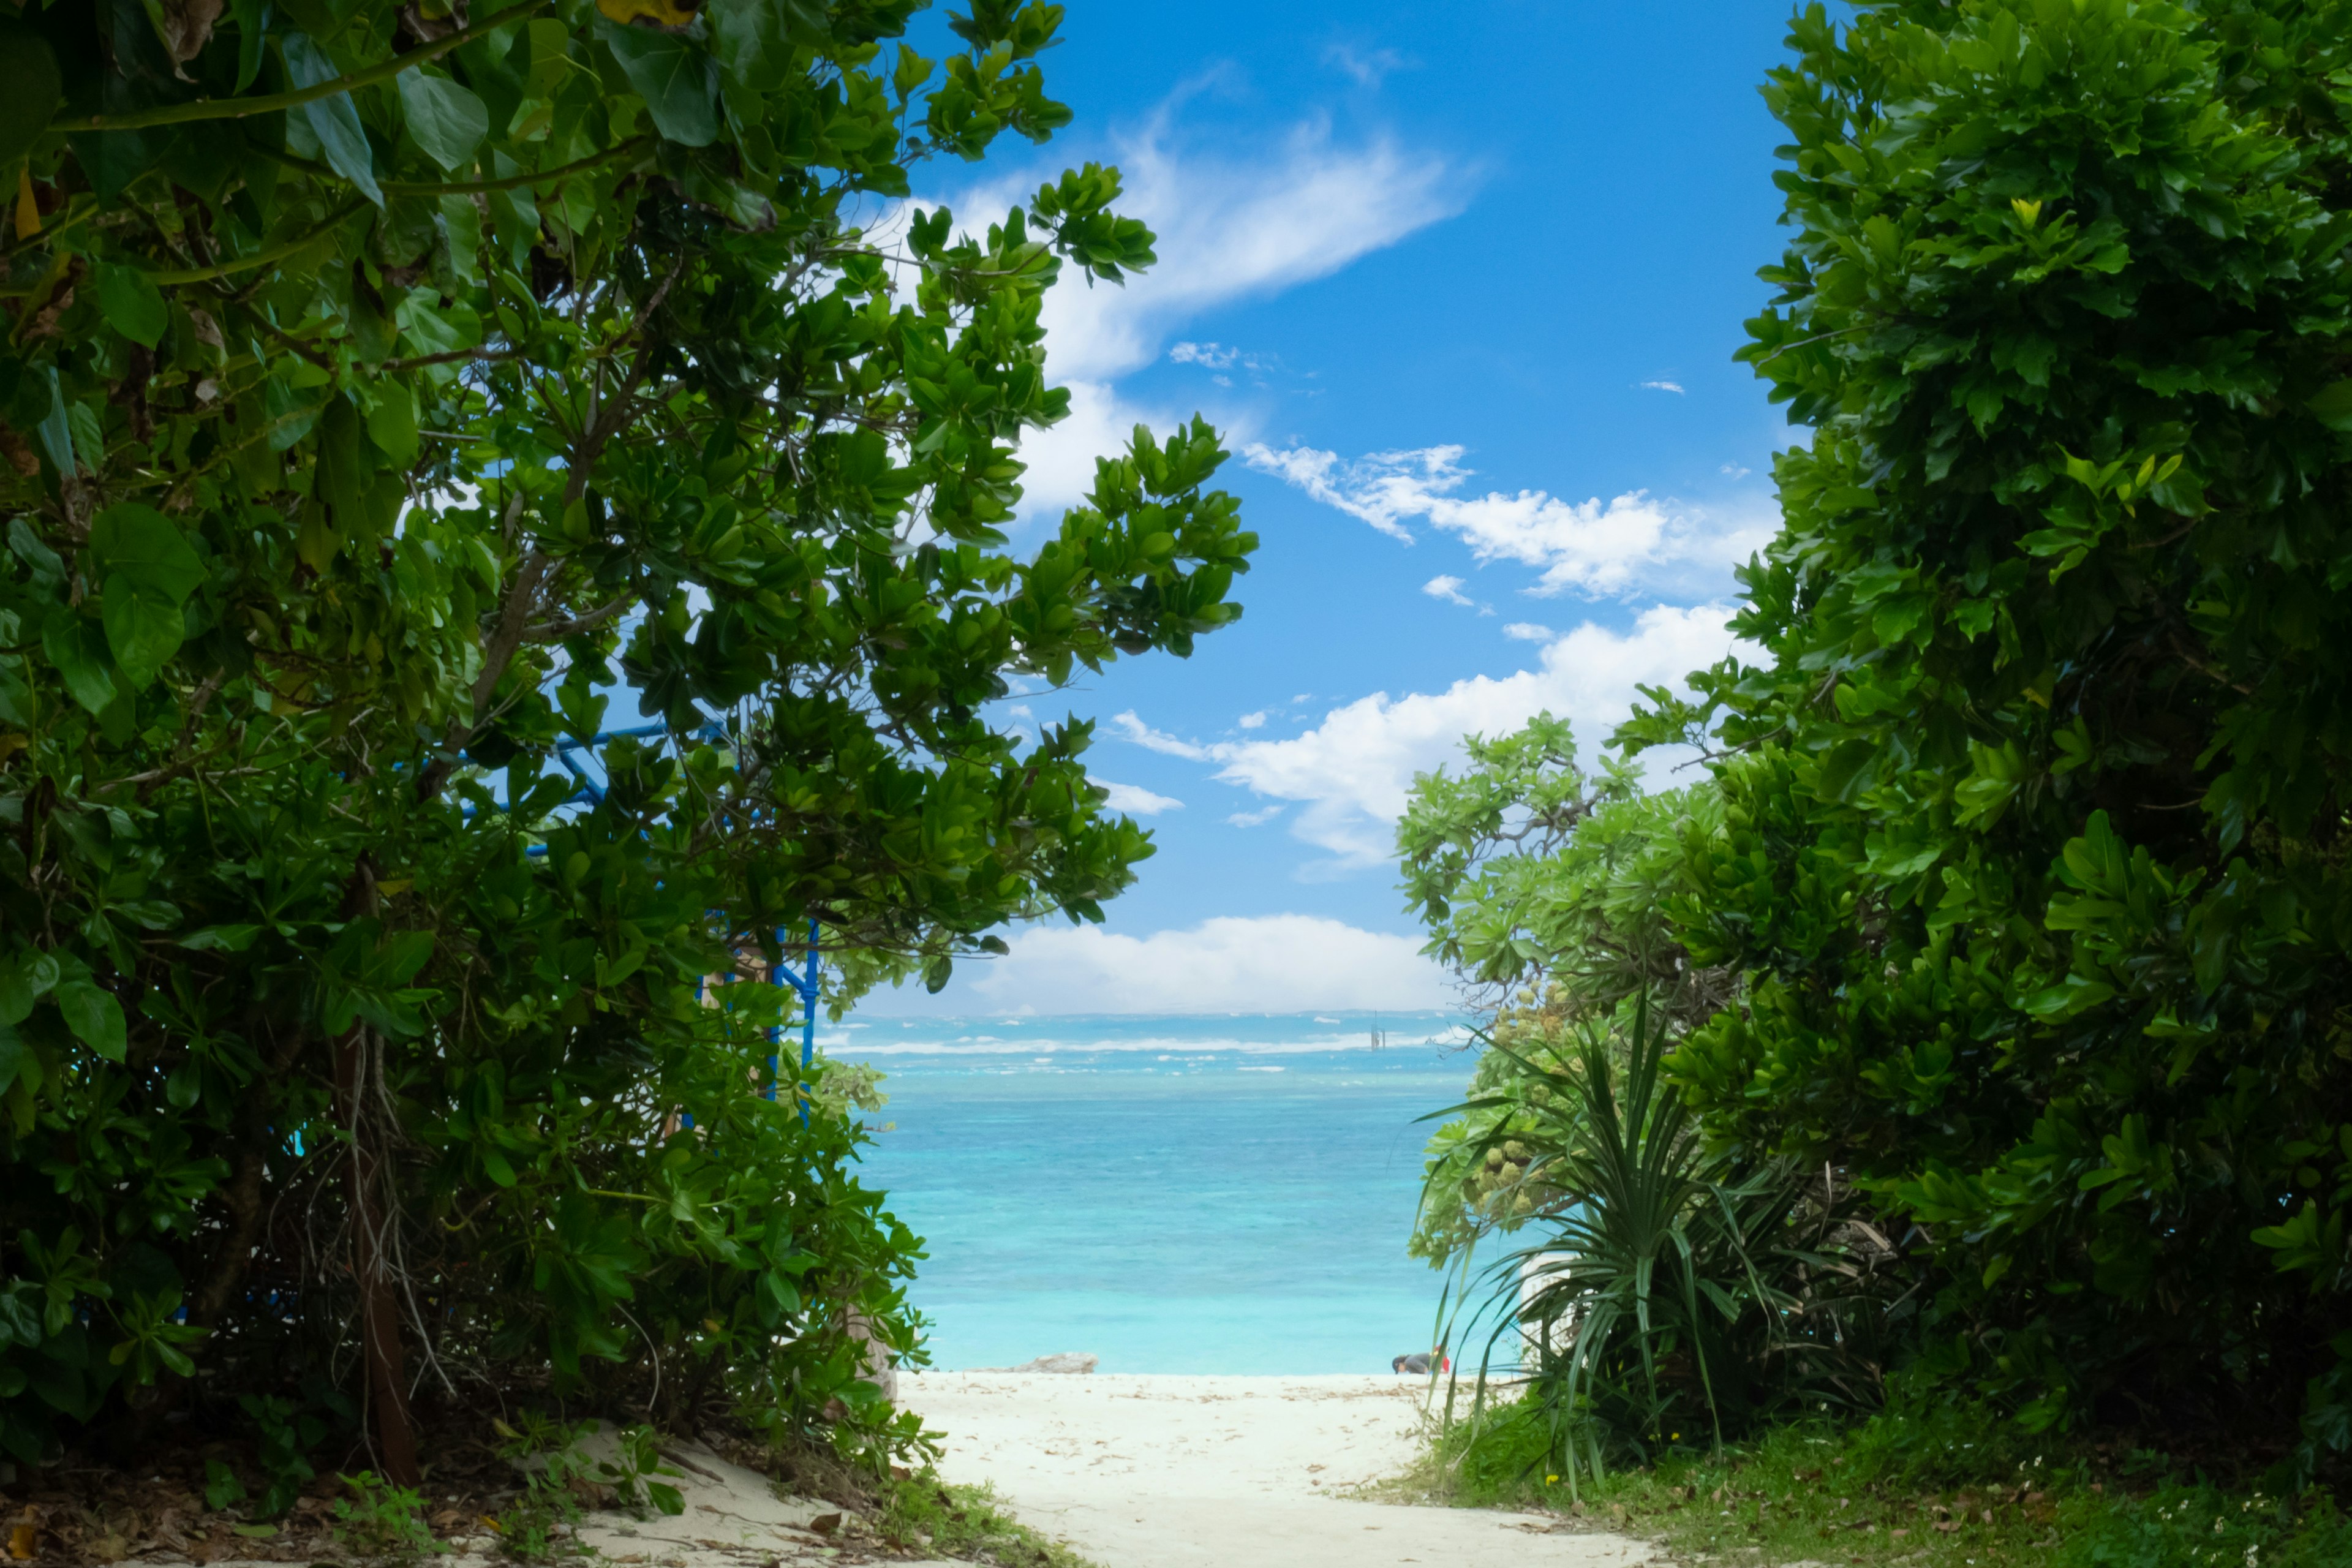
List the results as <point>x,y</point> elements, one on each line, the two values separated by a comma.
<point>1462,287</point>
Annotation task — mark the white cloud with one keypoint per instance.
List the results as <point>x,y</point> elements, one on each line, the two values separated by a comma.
<point>1527,631</point>
<point>1134,800</point>
<point>1134,729</point>
<point>1225,231</point>
<point>1258,819</point>
<point>1265,963</point>
<point>1448,589</point>
<point>1590,546</point>
<point>1231,231</point>
<point>1253,721</point>
<point>1673,386</point>
<point>1061,458</point>
<point>1736,471</point>
<point>1214,356</point>
<point>1353,770</point>
<point>1368,69</point>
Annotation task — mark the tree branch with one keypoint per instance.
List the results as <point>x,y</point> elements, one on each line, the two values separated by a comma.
<point>271,103</point>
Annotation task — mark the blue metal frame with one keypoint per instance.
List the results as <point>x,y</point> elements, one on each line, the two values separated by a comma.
<point>807,986</point>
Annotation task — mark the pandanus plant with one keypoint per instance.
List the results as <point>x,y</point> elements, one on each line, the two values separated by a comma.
<point>1651,1298</point>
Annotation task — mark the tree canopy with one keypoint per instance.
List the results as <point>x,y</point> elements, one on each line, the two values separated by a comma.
<point>395,397</point>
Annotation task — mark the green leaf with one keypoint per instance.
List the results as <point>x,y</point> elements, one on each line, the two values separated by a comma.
<point>673,76</point>
<point>25,979</point>
<point>431,330</point>
<point>57,429</point>
<point>77,649</point>
<point>95,1017</point>
<point>131,304</point>
<point>221,939</point>
<point>142,630</point>
<point>11,1054</point>
<point>2333,405</point>
<point>665,1498</point>
<point>136,541</point>
<point>446,118</point>
<point>29,90</point>
<point>335,120</point>
<point>391,423</point>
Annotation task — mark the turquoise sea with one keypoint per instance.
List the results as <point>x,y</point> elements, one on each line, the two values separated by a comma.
<point>1224,1194</point>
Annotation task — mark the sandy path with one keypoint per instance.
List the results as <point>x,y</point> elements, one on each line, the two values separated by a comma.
<point>1180,1472</point>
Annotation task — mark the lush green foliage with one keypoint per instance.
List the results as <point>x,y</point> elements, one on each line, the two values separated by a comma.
<point>2019,883</point>
<point>2034,816</point>
<point>1669,1294</point>
<point>1941,1487</point>
<point>387,389</point>
<point>1544,889</point>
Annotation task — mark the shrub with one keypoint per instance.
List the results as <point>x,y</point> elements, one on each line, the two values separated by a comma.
<point>393,391</point>
<point>2031,861</point>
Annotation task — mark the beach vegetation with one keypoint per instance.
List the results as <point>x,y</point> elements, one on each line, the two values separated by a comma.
<point>1945,1485</point>
<point>1668,1292</point>
<point>501,539</point>
<point>923,1513</point>
<point>2016,870</point>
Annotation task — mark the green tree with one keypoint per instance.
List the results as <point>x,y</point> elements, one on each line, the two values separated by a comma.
<point>1545,890</point>
<point>387,389</point>
<point>2034,819</point>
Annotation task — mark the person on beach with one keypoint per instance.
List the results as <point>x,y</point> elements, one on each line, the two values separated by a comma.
<point>1419,1363</point>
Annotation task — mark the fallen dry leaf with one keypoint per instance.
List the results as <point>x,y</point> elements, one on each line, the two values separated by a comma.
<point>24,1534</point>
<point>825,1523</point>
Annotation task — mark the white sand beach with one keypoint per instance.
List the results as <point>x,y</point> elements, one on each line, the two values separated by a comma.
<point>1173,1471</point>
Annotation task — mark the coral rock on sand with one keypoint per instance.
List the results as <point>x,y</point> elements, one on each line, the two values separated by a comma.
<point>1067,1360</point>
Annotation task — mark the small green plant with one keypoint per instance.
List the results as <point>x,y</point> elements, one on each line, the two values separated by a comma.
<point>287,1434</point>
<point>637,1459</point>
<point>923,1513</point>
<point>223,1490</point>
<point>380,1522</point>
<point>539,1524</point>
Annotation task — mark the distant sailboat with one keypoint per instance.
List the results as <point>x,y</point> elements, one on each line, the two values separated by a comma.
<point>1380,1036</point>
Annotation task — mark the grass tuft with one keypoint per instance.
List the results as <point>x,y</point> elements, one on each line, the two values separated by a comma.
<point>923,1513</point>
<point>1952,1489</point>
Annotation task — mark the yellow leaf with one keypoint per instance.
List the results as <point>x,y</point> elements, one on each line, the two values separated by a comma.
<point>28,212</point>
<point>657,12</point>
<point>2028,213</point>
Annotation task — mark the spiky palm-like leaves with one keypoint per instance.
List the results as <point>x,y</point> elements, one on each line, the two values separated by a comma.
<point>1664,1297</point>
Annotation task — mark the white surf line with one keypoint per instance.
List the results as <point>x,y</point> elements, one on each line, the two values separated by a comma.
<point>1177,1472</point>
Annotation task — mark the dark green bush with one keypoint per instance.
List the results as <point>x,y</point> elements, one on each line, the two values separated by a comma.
<point>389,391</point>
<point>2033,860</point>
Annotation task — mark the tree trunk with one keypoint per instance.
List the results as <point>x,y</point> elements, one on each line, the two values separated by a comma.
<point>387,1373</point>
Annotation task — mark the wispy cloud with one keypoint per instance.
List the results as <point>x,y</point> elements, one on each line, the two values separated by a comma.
<point>1350,772</point>
<point>1253,721</point>
<point>1369,68</point>
<point>1528,631</point>
<point>1214,356</point>
<point>1450,590</point>
<point>1227,230</point>
<point>1590,546</point>
<point>1134,800</point>
<point>1255,818</point>
<point>1673,386</point>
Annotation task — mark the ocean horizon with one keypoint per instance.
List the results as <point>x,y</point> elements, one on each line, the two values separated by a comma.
<point>1172,1193</point>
